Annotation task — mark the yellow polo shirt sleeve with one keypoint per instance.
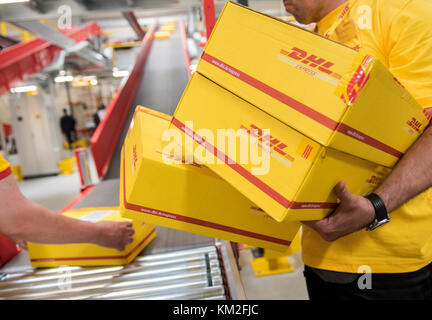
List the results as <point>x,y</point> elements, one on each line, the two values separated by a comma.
<point>5,169</point>
<point>408,47</point>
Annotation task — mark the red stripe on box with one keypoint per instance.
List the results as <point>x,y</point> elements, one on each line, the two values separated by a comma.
<point>355,134</point>
<point>96,257</point>
<point>314,205</point>
<point>296,105</point>
<point>173,216</point>
<point>235,166</point>
<point>5,173</point>
<point>249,176</point>
<point>154,115</point>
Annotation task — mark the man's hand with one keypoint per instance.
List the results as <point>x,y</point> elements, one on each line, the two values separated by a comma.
<point>115,234</point>
<point>353,213</point>
<point>22,244</point>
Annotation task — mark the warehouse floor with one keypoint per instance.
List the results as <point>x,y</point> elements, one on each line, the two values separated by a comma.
<point>56,192</point>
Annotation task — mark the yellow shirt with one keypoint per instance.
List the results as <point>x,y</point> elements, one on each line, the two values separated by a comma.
<point>4,168</point>
<point>399,33</point>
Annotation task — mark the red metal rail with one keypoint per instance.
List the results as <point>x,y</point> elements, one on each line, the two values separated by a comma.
<point>209,16</point>
<point>104,139</point>
<point>24,59</point>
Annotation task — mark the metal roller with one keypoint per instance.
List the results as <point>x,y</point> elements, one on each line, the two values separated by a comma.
<point>184,274</point>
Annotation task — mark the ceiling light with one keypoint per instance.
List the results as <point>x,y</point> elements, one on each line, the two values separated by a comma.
<point>12,1</point>
<point>63,78</point>
<point>120,73</point>
<point>23,89</point>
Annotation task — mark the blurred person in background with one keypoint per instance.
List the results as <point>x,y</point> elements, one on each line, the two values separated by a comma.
<point>67,126</point>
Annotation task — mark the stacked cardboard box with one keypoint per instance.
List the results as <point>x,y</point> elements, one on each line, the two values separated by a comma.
<point>272,120</point>
<point>333,114</point>
<point>159,188</point>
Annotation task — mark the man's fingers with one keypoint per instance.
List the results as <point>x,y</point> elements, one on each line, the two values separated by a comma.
<point>342,191</point>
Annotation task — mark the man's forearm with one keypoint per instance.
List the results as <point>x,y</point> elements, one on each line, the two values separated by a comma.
<point>41,225</point>
<point>24,220</point>
<point>411,176</point>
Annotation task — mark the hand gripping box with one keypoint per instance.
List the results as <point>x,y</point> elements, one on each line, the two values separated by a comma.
<point>86,254</point>
<point>188,197</point>
<point>329,92</point>
<point>285,173</point>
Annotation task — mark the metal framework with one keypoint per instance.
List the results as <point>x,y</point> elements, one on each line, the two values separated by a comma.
<point>133,21</point>
<point>24,59</point>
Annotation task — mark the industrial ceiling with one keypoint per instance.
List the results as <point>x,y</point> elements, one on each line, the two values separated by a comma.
<point>85,10</point>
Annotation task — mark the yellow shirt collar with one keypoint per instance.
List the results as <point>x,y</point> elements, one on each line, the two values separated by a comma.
<point>329,20</point>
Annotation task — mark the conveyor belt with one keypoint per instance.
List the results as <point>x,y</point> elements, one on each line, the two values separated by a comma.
<point>185,274</point>
<point>163,81</point>
<point>176,264</point>
<point>162,84</point>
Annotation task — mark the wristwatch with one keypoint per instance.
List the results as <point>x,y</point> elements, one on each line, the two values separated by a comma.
<point>381,213</point>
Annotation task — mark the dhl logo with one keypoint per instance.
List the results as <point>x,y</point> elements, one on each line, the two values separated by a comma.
<point>415,124</point>
<point>374,180</point>
<point>427,114</point>
<point>307,151</point>
<point>312,61</point>
<point>269,141</point>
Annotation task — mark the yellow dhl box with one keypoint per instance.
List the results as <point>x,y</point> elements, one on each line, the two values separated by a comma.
<point>168,28</point>
<point>285,173</point>
<point>162,35</point>
<point>86,254</point>
<point>188,197</point>
<point>331,93</point>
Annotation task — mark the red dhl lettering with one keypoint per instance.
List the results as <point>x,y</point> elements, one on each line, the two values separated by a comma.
<point>414,124</point>
<point>134,157</point>
<point>427,114</point>
<point>374,180</point>
<point>312,61</point>
<point>268,140</point>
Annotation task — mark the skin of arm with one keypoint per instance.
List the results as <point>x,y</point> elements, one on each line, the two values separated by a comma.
<point>22,219</point>
<point>411,176</point>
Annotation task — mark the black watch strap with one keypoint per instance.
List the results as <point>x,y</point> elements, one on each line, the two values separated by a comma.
<point>381,213</point>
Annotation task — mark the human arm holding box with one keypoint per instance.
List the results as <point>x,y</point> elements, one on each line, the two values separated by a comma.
<point>410,177</point>
<point>406,49</point>
<point>22,219</point>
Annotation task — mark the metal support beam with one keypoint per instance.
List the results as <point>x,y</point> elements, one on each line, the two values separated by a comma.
<point>209,15</point>
<point>61,40</point>
<point>133,21</point>
<point>27,58</point>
